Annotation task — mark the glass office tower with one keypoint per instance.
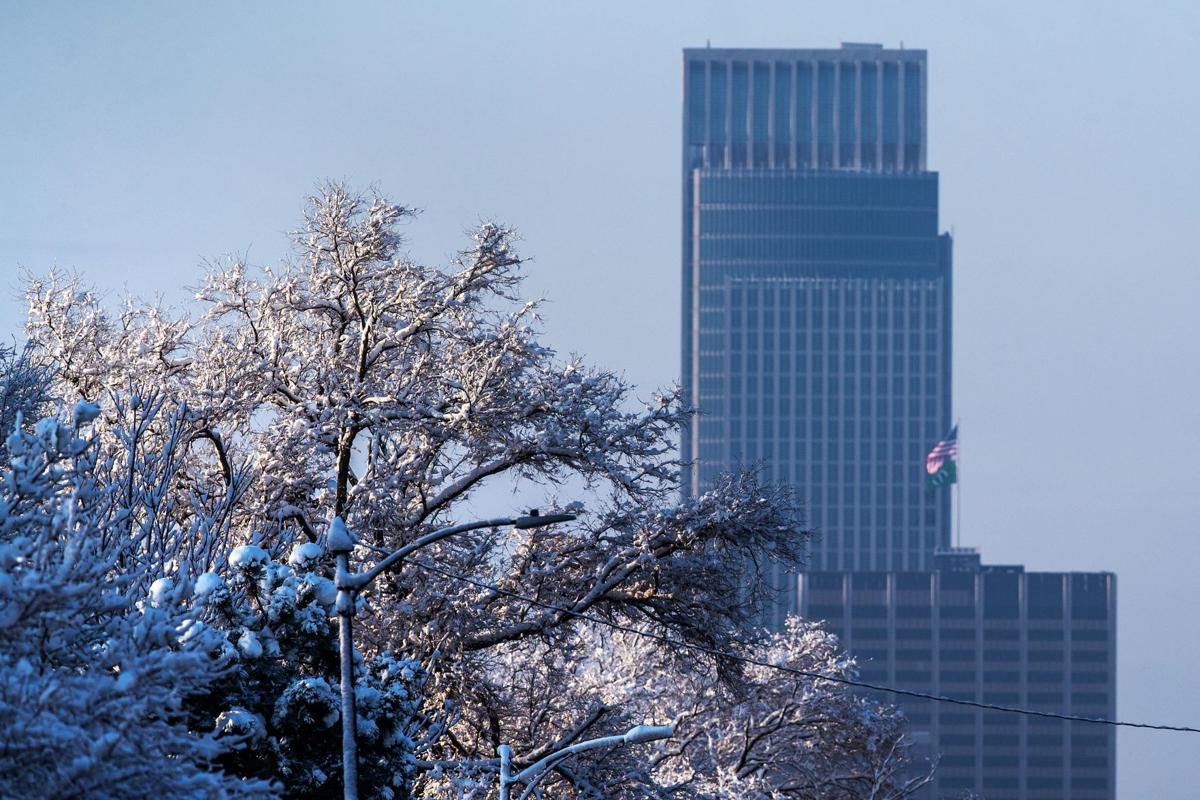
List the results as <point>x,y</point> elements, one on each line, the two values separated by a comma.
<point>816,292</point>
<point>816,344</point>
<point>989,634</point>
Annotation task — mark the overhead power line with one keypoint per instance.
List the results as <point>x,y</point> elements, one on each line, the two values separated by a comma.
<point>699,648</point>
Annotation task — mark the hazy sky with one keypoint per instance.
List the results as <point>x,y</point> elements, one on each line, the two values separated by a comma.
<point>138,139</point>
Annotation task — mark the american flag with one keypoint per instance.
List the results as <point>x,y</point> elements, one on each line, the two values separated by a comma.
<point>943,451</point>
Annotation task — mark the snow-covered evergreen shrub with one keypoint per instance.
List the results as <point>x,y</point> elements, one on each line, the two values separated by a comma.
<point>95,674</point>
<point>278,707</point>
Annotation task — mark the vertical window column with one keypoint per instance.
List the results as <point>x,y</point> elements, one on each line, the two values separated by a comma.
<point>805,115</point>
<point>760,114</point>
<point>825,107</point>
<point>697,135</point>
<point>846,117</point>
<point>782,141</point>
<point>891,116</point>
<point>913,122</point>
<point>718,98</point>
<point>739,115</point>
<point>868,109</point>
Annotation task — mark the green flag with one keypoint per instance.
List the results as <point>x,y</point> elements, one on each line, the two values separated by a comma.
<point>940,469</point>
<point>947,474</point>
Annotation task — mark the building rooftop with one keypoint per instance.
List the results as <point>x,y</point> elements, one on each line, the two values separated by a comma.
<point>849,51</point>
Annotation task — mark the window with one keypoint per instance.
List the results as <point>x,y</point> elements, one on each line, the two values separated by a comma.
<point>804,113</point>
<point>759,117</point>
<point>716,111</point>
<point>891,114</point>
<point>696,87</point>
<point>868,127</point>
<point>912,115</point>
<point>739,122</point>
<point>782,121</point>
<point>847,127</point>
<point>825,115</point>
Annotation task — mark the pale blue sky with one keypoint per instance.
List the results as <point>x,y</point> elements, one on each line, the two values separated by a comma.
<point>137,139</point>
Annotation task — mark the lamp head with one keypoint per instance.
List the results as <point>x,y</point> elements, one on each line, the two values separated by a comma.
<point>649,733</point>
<point>535,520</point>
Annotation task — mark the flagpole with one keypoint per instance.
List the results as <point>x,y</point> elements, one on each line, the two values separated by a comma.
<point>958,487</point>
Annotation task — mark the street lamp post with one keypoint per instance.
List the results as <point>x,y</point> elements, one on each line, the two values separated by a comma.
<point>349,584</point>
<point>531,775</point>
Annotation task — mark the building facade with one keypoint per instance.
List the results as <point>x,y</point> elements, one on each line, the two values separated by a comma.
<point>816,292</point>
<point>990,634</point>
<point>816,344</point>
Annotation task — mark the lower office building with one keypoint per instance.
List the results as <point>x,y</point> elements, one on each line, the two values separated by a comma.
<point>996,635</point>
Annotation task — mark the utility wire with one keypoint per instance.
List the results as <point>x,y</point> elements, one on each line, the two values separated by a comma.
<point>699,648</point>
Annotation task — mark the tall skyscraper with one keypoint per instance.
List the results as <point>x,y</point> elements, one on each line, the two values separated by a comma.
<point>816,292</point>
<point>816,344</point>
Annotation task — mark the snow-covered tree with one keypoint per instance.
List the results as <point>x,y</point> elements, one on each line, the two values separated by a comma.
<point>24,391</point>
<point>802,734</point>
<point>95,669</point>
<point>354,382</point>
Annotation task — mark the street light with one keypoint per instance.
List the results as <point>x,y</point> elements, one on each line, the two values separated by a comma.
<point>340,543</point>
<point>531,775</point>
